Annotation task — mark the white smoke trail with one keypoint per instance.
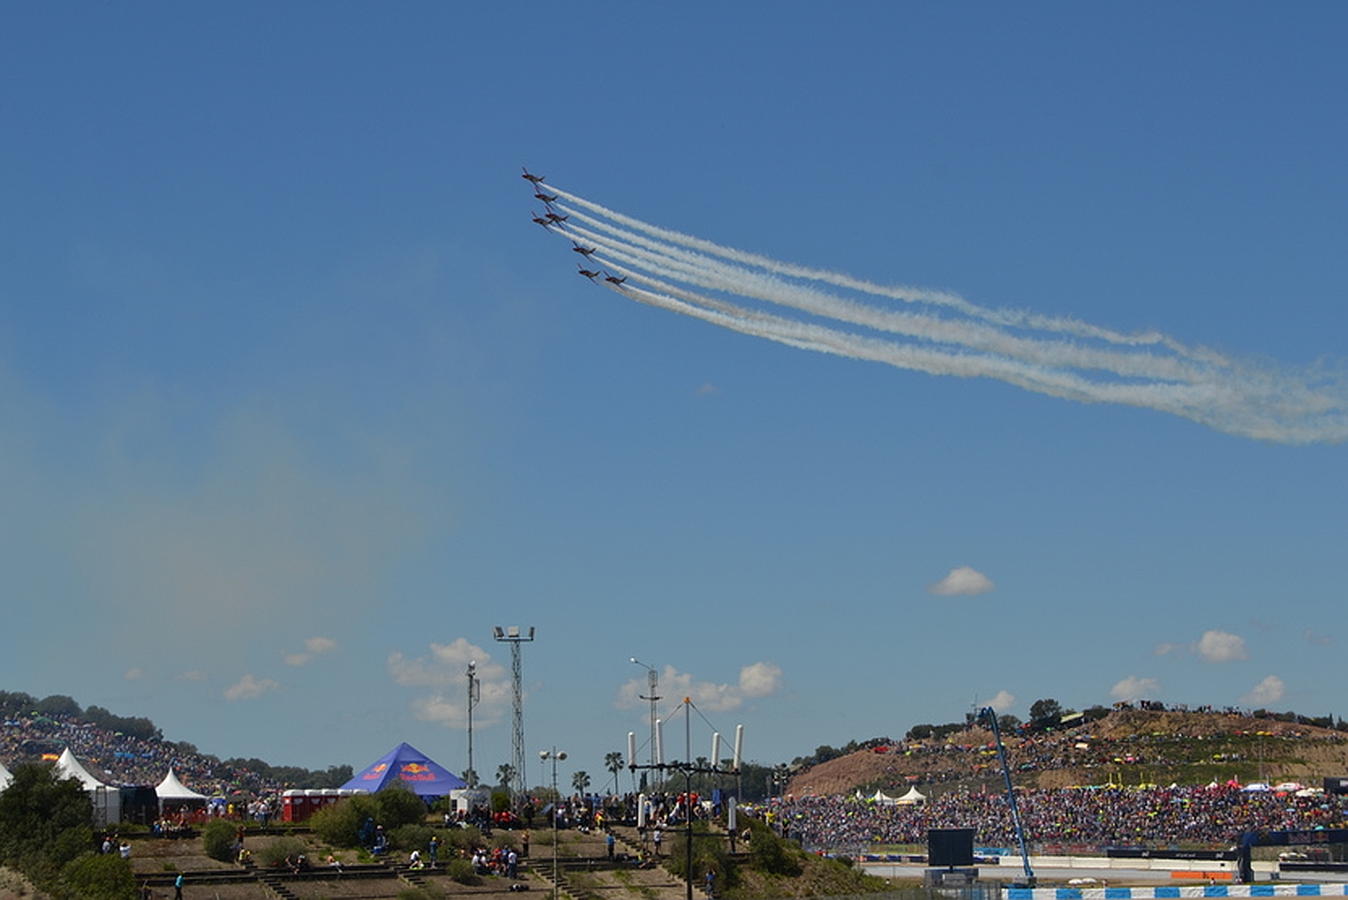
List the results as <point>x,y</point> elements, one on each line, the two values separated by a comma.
<point>1007,317</point>
<point>972,334</point>
<point>1149,370</point>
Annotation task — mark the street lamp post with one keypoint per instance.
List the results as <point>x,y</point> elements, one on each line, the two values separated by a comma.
<point>653,679</point>
<point>554,754</point>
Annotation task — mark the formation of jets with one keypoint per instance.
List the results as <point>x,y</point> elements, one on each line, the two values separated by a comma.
<point>550,219</point>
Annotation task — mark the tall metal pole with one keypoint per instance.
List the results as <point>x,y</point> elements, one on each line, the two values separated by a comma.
<point>474,695</point>
<point>653,679</point>
<point>514,637</point>
<point>554,754</point>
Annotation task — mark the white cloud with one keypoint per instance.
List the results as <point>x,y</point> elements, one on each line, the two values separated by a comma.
<point>1319,639</point>
<point>445,672</point>
<point>706,389</point>
<point>249,688</point>
<point>760,679</point>
<point>962,581</point>
<point>1270,690</point>
<point>192,675</point>
<point>1221,646</point>
<point>134,674</point>
<point>1135,688</point>
<point>313,647</point>
<point>1163,649</point>
<point>1003,701</point>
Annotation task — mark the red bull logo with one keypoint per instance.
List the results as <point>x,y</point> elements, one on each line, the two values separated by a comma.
<point>414,771</point>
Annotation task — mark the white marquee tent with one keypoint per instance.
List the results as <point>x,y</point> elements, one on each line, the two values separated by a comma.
<point>107,800</point>
<point>5,777</point>
<point>912,798</point>
<point>173,793</point>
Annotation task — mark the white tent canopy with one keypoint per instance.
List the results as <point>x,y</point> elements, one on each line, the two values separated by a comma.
<point>69,767</point>
<point>107,800</point>
<point>5,777</point>
<point>912,798</point>
<point>884,799</point>
<point>171,791</point>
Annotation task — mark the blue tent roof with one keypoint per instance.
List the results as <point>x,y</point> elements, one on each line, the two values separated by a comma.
<point>425,776</point>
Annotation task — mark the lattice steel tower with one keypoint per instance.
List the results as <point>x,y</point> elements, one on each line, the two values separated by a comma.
<point>514,638</point>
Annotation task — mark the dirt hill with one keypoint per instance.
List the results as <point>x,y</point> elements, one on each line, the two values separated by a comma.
<point>1127,746</point>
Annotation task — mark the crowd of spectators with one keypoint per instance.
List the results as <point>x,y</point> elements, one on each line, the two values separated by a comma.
<point>1064,817</point>
<point>121,759</point>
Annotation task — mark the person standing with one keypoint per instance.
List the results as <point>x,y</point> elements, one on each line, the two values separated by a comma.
<point>608,843</point>
<point>656,836</point>
<point>178,887</point>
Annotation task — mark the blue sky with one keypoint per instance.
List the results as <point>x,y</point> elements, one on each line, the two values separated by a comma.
<point>299,404</point>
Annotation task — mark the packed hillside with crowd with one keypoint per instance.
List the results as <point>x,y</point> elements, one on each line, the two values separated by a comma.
<point>125,751</point>
<point>1065,817</point>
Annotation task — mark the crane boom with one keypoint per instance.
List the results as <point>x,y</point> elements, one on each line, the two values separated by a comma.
<point>990,714</point>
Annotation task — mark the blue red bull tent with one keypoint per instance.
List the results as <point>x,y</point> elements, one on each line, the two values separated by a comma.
<point>405,763</point>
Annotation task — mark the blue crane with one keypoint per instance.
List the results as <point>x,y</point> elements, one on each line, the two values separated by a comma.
<point>990,715</point>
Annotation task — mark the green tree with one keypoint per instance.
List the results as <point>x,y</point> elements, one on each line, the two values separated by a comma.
<point>399,806</point>
<point>1045,709</point>
<point>59,705</point>
<point>45,822</point>
<point>580,781</point>
<point>505,774</point>
<point>613,762</point>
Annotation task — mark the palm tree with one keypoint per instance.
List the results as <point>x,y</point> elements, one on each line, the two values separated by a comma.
<point>613,762</point>
<point>505,773</point>
<point>580,781</point>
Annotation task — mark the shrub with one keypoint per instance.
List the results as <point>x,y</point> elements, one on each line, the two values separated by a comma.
<point>463,839</point>
<point>461,870</point>
<point>410,837</point>
<point>769,853</point>
<point>338,824</point>
<point>99,876</point>
<point>504,839</point>
<point>217,838</point>
<point>276,853</point>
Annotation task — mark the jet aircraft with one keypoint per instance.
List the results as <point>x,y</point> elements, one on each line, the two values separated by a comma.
<point>544,197</point>
<point>542,220</point>
<point>583,251</point>
<point>613,279</point>
<point>530,177</point>
<point>592,275</point>
<point>554,219</point>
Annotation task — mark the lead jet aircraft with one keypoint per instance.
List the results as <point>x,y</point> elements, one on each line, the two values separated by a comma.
<point>583,251</point>
<point>592,275</point>
<point>530,177</point>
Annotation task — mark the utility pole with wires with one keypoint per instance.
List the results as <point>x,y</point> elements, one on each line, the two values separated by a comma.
<point>688,767</point>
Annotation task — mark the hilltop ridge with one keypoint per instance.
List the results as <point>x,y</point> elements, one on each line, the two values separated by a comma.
<point>1125,746</point>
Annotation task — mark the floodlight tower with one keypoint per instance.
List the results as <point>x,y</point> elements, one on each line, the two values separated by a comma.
<point>653,678</point>
<point>513,636</point>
